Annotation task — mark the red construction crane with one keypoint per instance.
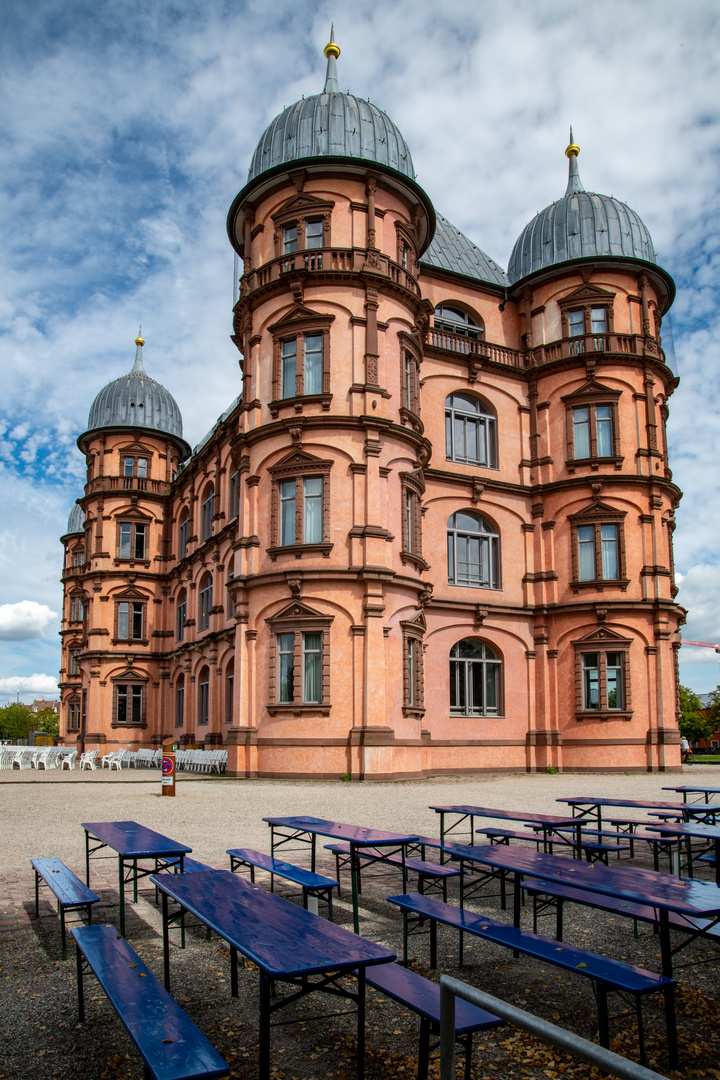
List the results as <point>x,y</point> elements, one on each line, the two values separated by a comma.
<point>703,644</point>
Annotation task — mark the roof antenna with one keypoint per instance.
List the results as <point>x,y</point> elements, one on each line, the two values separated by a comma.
<point>574,183</point>
<point>332,51</point>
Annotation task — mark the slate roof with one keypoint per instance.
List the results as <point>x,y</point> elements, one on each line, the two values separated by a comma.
<point>452,250</point>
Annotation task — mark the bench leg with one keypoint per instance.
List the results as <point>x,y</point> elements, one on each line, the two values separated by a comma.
<point>37,895</point>
<point>423,1050</point>
<point>264,1032</point>
<point>641,1032</point>
<point>63,939</point>
<point>433,944</point>
<point>602,1010</point>
<point>670,1027</point>
<point>467,1043</point>
<point>81,999</point>
<point>361,1023</point>
<point>559,919</point>
<point>233,972</point>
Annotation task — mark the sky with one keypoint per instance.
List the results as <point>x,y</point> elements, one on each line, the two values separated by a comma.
<point>126,130</point>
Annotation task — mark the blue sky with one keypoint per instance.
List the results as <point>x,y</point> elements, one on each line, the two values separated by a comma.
<point>126,130</point>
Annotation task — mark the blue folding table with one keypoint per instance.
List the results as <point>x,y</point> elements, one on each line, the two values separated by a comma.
<point>305,830</point>
<point>132,842</point>
<point>592,807</point>
<point>286,942</point>
<point>695,830</point>
<point>687,790</point>
<point>549,823</point>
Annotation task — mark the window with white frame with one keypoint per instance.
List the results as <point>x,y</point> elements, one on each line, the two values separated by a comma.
<point>470,431</point>
<point>473,551</point>
<point>206,601</point>
<point>132,540</point>
<point>475,679</point>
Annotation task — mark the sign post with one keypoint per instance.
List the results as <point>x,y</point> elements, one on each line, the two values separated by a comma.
<point>168,769</point>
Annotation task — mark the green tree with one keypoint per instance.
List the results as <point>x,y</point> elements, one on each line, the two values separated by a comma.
<point>15,721</point>
<point>46,720</point>
<point>694,723</point>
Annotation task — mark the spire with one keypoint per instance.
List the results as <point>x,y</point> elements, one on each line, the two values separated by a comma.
<point>138,367</point>
<point>574,182</point>
<point>332,51</point>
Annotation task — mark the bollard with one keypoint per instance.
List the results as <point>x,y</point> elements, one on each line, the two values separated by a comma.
<point>168,769</point>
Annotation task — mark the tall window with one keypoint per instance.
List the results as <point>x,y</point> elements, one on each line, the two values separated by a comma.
<point>311,365</point>
<point>135,467</point>
<point>234,495</point>
<point>299,668</point>
<point>183,534</point>
<point>413,679</point>
<point>208,513</point>
<point>290,239</point>
<point>73,716</point>
<point>475,679</point>
<point>129,703</point>
<point>74,662</point>
<point>473,551</point>
<point>598,546</point>
<point>312,511</point>
<point>181,615</point>
<point>593,431</point>
<point>204,696</point>
<point>206,601</point>
<point>131,621</point>
<point>311,671</point>
<point>412,488</point>
<point>229,695</point>
<point>470,431</point>
<point>603,670</point>
<point>76,609</point>
<point>286,667</point>
<point>78,558</point>
<point>314,233</point>
<point>133,538</point>
<point>180,702</point>
<point>587,320</point>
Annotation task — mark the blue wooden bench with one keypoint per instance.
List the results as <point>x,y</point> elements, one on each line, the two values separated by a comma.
<point>171,1045</point>
<point>428,873</point>
<point>421,995</point>
<point>313,885</point>
<point>71,893</point>
<point>190,866</point>
<point>606,974</point>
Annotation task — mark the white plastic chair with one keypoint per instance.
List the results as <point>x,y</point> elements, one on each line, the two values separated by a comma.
<point>117,760</point>
<point>88,759</point>
<point>68,760</point>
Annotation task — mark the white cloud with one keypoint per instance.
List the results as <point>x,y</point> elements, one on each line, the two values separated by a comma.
<point>24,621</point>
<point>29,684</point>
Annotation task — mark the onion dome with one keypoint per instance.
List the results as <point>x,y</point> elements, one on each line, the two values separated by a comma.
<point>331,124</point>
<point>137,401</point>
<point>452,250</point>
<point>581,225</point>
<point>76,521</point>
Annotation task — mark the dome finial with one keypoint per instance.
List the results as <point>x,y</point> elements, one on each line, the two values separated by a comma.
<point>332,51</point>
<point>574,182</point>
<point>138,365</point>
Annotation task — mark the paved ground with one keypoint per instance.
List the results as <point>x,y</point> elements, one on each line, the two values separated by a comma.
<point>41,816</point>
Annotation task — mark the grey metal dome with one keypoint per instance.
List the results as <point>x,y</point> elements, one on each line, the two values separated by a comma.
<point>76,521</point>
<point>331,124</point>
<point>452,250</point>
<point>581,225</point>
<point>136,400</point>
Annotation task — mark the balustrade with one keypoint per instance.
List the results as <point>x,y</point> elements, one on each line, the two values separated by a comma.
<point>127,483</point>
<point>335,259</point>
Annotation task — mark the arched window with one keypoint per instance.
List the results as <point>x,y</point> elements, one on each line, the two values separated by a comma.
<point>473,551</point>
<point>456,321</point>
<point>181,615</point>
<point>470,431</point>
<point>475,679</point>
<point>206,601</point>
<point>208,512</point>
<point>229,691</point>
<point>183,534</point>
<point>180,701</point>
<point>204,696</point>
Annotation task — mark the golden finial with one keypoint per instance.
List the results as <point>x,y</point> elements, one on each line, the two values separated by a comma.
<point>573,149</point>
<point>331,49</point>
<point>139,340</point>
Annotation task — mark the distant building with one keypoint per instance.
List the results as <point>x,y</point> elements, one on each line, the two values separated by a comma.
<point>40,703</point>
<point>434,533</point>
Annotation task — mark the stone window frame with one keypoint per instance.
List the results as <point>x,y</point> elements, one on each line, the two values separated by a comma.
<point>405,238</point>
<point>412,489</point>
<point>181,609</point>
<point>130,596</point>
<point>491,424</point>
<point>74,652</point>
<point>205,601</point>
<point>298,210</point>
<point>589,395</point>
<point>585,298</point>
<point>184,532</point>
<point>603,640</point>
<point>299,466</point>
<point>203,697</point>
<point>234,495</point>
<point>135,519</point>
<point>229,689</point>
<point>179,696</point>
<point>298,323</point>
<point>75,599</point>
<point>413,630</point>
<point>133,679</point>
<point>410,407</point>
<point>298,619</point>
<point>73,707</point>
<point>598,514</point>
<point>207,511</point>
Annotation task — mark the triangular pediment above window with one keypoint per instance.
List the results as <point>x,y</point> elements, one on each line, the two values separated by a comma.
<point>130,676</point>
<point>135,448</point>
<point>591,391</point>
<point>299,461</point>
<point>299,615</point>
<point>604,638</point>
<point>131,513</point>
<point>587,294</point>
<point>130,593</point>
<point>415,622</point>
<point>597,511</point>
<point>298,318</point>
<point>74,645</point>
<point>301,205</point>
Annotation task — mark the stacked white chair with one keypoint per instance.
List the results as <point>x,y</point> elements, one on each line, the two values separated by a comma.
<point>68,760</point>
<point>88,759</point>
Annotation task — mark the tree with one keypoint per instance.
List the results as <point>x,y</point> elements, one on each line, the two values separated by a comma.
<point>694,723</point>
<point>47,720</point>
<point>15,721</point>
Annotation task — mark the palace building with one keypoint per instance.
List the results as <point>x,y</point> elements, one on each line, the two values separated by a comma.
<point>432,533</point>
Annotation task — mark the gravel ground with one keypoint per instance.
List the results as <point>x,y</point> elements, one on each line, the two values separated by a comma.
<point>39,1034</point>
